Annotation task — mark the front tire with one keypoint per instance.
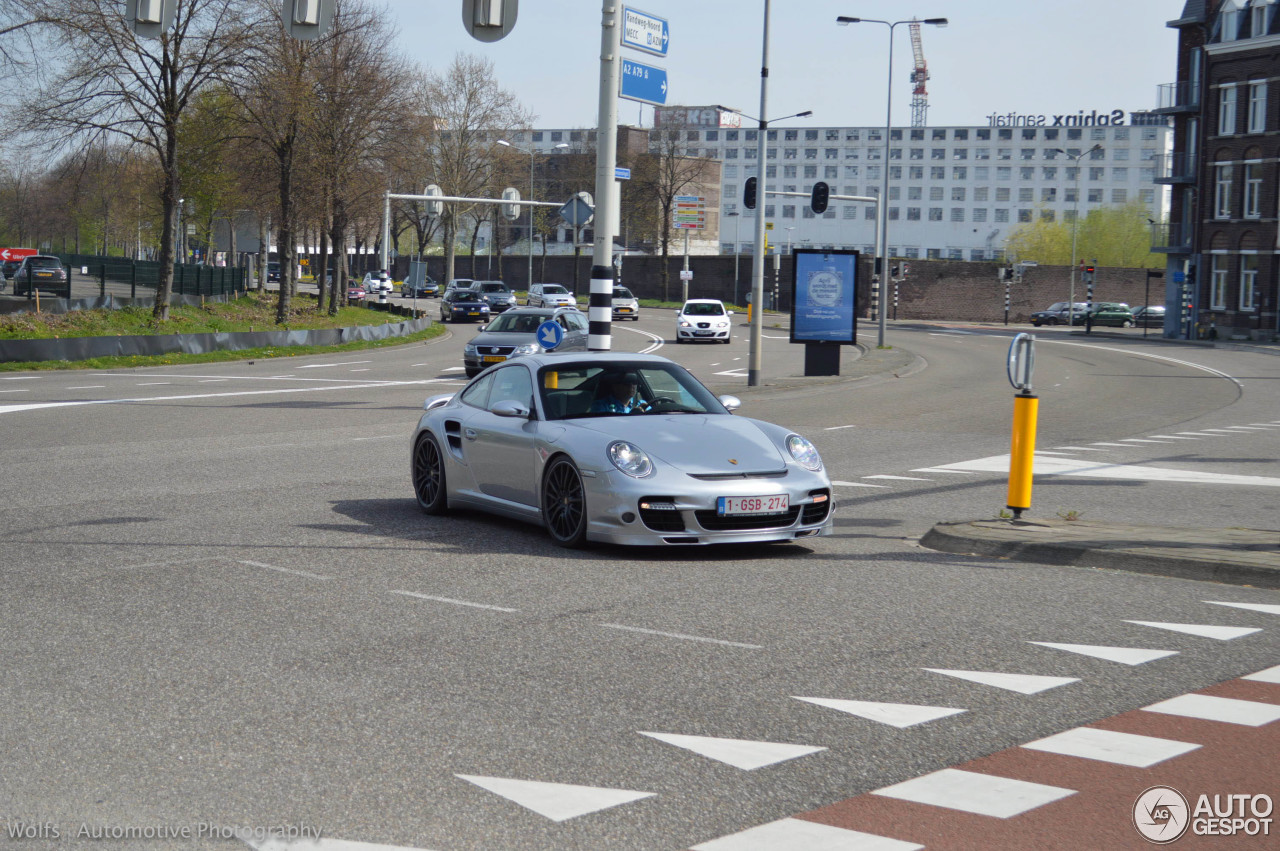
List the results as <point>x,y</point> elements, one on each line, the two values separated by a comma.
<point>428,477</point>
<point>1128,324</point>
<point>564,504</point>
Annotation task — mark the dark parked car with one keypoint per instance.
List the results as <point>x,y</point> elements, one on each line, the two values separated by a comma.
<point>41,271</point>
<point>515,333</point>
<point>1112,313</point>
<point>463,305</point>
<point>7,270</point>
<point>273,272</point>
<point>496,294</point>
<point>428,287</point>
<point>1149,316</point>
<point>1056,314</point>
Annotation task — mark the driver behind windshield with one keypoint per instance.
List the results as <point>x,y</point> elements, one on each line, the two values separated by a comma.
<point>621,396</point>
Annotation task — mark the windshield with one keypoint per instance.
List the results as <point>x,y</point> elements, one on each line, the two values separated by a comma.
<point>703,309</point>
<point>581,390</point>
<point>520,323</point>
<point>622,292</point>
<point>554,289</point>
<point>493,288</point>
<point>45,262</point>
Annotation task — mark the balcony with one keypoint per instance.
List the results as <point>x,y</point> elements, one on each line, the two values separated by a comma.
<point>1176,168</point>
<point>1171,238</point>
<point>1172,98</point>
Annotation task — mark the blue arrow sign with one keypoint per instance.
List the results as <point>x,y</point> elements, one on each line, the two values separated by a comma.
<point>646,32</point>
<point>621,173</point>
<point>644,83</point>
<point>550,334</point>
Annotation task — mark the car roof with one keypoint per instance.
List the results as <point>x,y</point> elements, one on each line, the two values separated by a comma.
<point>591,358</point>
<point>704,301</point>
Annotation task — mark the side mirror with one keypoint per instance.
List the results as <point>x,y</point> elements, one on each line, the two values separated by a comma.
<point>480,328</point>
<point>730,312</point>
<point>731,403</point>
<point>510,408</point>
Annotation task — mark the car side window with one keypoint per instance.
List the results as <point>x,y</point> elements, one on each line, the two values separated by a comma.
<point>577,322</point>
<point>477,395</point>
<point>511,384</point>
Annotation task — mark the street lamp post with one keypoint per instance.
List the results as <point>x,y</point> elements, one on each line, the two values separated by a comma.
<point>531,152</point>
<point>1075,226</point>
<point>735,217</point>
<point>882,250</point>
<point>789,230</point>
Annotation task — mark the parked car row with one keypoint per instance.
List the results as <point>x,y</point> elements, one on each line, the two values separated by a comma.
<point>1110,313</point>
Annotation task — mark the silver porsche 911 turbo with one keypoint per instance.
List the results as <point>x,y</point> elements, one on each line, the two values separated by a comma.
<point>621,448</point>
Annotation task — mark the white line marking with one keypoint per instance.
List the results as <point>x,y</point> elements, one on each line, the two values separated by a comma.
<point>344,363</point>
<point>899,478</point>
<point>1021,683</point>
<point>1050,452</point>
<point>1245,428</point>
<point>556,801</point>
<point>1265,425</point>
<point>152,383</point>
<point>1270,675</point>
<point>1197,433</point>
<point>837,428</point>
<point>940,470</point>
<point>381,437</point>
<point>1109,746</point>
<point>277,843</point>
<point>793,834</point>
<point>1080,449</point>
<point>736,373</point>
<point>446,369</point>
<point>1123,655</point>
<point>282,569</point>
<point>87,387</point>
<point>1220,430</point>
<point>212,380</point>
<point>1108,444</point>
<point>1051,466</point>
<point>682,636</point>
<point>857,485</point>
<point>1141,440</point>
<point>1228,710</point>
<point>454,602</point>
<point>21,390</point>
<point>1173,437</point>
<point>365,369</point>
<point>970,792</point>
<point>18,377</point>
<point>1210,370</point>
<point>1252,607</point>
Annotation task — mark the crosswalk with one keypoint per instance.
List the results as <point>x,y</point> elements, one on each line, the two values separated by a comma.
<point>887,818</point>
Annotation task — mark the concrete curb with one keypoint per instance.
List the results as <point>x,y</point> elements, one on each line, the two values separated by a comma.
<point>1204,555</point>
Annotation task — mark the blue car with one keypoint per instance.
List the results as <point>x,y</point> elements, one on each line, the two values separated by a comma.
<point>463,306</point>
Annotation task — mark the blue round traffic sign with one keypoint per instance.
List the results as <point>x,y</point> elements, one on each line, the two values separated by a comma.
<point>550,334</point>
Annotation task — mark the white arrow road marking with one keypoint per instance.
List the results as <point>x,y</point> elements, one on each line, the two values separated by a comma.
<point>1123,655</point>
<point>740,753</point>
<point>1109,746</point>
<point>736,373</point>
<point>900,715</point>
<point>1221,633</point>
<point>556,801</point>
<point>1253,607</point>
<point>793,834</point>
<point>970,792</point>
<point>1051,466</point>
<point>1021,683</point>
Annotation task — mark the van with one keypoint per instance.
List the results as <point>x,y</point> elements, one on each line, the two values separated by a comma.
<point>550,295</point>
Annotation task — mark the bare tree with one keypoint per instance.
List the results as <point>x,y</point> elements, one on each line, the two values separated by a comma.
<point>666,173</point>
<point>469,113</point>
<point>113,82</point>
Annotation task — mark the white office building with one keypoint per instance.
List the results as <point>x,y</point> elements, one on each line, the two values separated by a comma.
<point>955,193</point>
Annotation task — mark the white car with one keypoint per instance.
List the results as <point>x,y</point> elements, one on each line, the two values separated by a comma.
<point>376,282</point>
<point>549,295</point>
<point>703,319</point>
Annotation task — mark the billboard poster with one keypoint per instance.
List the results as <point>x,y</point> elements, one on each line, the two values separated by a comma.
<point>824,289</point>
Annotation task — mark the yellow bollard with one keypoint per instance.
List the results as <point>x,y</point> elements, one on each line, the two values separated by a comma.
<point>748,314</point>
<point>1026,407</point>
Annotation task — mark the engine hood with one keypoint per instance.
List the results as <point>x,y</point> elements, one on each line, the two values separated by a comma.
<point>697,444</point>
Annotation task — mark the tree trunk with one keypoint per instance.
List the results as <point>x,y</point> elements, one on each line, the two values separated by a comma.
<point>264,251</point>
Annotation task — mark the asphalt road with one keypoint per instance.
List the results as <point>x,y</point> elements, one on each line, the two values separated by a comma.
<point>224,608</point>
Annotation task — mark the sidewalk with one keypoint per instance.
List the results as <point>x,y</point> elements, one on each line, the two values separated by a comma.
<point>1233,556</point>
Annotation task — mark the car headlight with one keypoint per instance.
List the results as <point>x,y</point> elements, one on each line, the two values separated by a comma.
<point>529,349</point>
<point>469,349</point>
<point>722,324</point>
<point>685,323</point>
<point>804,452</point>
<point>629,459</point>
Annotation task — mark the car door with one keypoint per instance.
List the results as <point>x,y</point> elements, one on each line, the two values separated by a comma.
<point>500,450</point>
<point>575,338</point>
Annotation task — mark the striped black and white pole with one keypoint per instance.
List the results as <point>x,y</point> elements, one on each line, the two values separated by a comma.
<point>600,309</point>
<point>875,299</point>
<point>1006,301</point>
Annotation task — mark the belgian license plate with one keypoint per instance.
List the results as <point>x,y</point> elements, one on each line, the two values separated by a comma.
<point>703,333</point>
<point>494,358</point>
<point>730,505</point>
<point>474,313</point>
<point>44,274</point>
<point>624,310</point>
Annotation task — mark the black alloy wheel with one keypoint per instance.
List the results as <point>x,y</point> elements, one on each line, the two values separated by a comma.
<point>428,476</point>
<point>564,503</point>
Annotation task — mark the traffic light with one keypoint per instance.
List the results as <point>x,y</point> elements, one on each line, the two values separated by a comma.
<point>749,194</point>
<point>307,20</point>
<point>818,201</point>
<point>1088,274</point>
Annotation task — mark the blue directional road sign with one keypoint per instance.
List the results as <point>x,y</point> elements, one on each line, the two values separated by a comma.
<point>644,83</point>
<point>646,32</point>
<point>550,334</point>
<point>621,173</point>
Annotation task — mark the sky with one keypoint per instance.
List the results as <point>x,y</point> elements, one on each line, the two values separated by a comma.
<point>995,56</point>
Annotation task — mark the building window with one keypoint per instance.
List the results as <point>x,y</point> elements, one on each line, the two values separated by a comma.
<point>1002,193</point>
<point>983,133</point>
<point>1253,190</point>
<point>895,172</point>
<point>1029,133</point>
<point>980,193</point>
<point>936,193</point>
<point>873,172</point>
<point>1027,153</point>
<point>831,172</point>
<point>833,135</point>
<point>895,193</point>
<point>1222,192</point>
<point>959,172</point>
<point>750,153</point>
<point>789,154</point>
<point>1002,215</point>
<point>751,135</point>
<point>788,211</point>
<point>1049,194</point>
<point>1074,135</point>
<point>1257,107</point>
<point>851,171</point>
<point>1096,172</point>
<point>1049,172</point>
<point>1004,134</point>
<point>850,211</point>
<point>537,135</point>
<point>1218,283</point>
<point>1024,216</point>
<point>852,153</point>
<point>915,172</point>
<point>810,153</point>
<point>895,153</point>
<point>770,171</point>
<point>1004,153</point>
<point>981,172</point>
<point>935,214</point>
<point>1120,175</point>
<point>1046,215</point>
<point>730,153</point>
<point>1120,154</point>
<point>957,214</point>
<point>731,135</point>
<point>811,172</point>
<point>831,153</point>
<point>1026,194</point>
<point>730,190</point>
<point>869,212</point>
<point>1098,134</point>
<point>937,172</point>
<point>851,135</point>
<point>1226,110</point>
<point>957,193</point>
<point>811,135</point>
<point>1094,196</point>
<point>1027,172</point>
<point>1119,196</point>
<point>982,153</point>
<point>937,153</point>
<point>980,214</point>
<point>1248,282</point>
<point>913,214</point>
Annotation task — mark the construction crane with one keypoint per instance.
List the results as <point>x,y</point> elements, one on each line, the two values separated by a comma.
<point>919,75</point>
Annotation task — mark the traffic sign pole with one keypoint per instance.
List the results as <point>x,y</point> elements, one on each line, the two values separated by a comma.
<point>600,307</point>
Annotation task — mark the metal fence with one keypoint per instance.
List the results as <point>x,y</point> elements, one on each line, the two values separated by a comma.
<point>92,275</point>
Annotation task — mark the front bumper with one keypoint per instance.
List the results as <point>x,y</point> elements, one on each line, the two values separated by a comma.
<point>696,333</point>
<point>613,498</point>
